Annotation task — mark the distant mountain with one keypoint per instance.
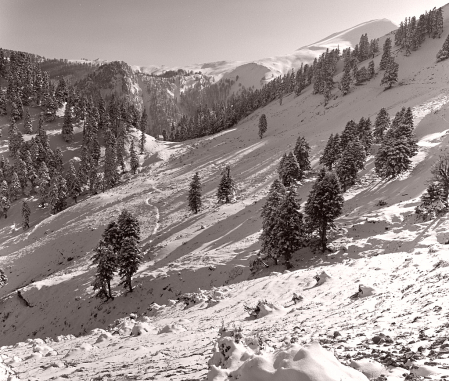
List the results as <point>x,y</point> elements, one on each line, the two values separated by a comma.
<point>256,73</point>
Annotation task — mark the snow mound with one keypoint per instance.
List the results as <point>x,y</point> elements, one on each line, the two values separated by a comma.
<point>322,278</point>
<point>369,367</point>
<point>104,337</point>
<point>172,328</point>
<point>42,349</point>
<point>125,327</point>
<point>427,371</point>
<point>142,328</point>
<point>75,352</point>
<point>6,374</point>
<point>310,363</point>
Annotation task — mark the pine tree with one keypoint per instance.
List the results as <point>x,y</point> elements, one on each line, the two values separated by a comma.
<point>73,183</point>
<point>346,79</point>
<point>195,194</point>
<point>262,125</point>
<point>143,129</point>
<point>352,160</point>
<point>3,277</point>
<point>386,56</point>
<point>4,199</point>
<point>270,211</point>
<point>391,74</point>
<point>106,261</point>
<point>43,183</point>
<point>301,152</point>
<point>27,125</point>
<point>84,166</point>
<point>128,225</point>
<point>111,175</point>
<point>440,175</point>
<point>443,53</point>
<point>324,205</point>
<point>381,125</point>
<point>112,236</point>
<point>22,172</point>
<point>15,189</point>
<point>25,215</point>
<point>371,70</point>
<point>226,188</point>
<point>290,227</point>
<point>332,151</point>
<point>134,159</point>
<point>120,150</point>
<point>67,127</point>
<point>129,260</point>
<point>393,158</point>
<point>350,131</point>
<point>291,172</point>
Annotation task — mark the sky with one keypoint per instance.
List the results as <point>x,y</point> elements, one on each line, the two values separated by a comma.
<point>183,32</point>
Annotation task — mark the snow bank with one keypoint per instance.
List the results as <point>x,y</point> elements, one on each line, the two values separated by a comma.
<point>310,363</point>
<point>142,328</point>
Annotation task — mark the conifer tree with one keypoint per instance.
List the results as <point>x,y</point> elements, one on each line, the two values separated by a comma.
<point>111,175</point>
<point>143,129</point>
<point>301,152</point>
<point>128,226</point>
<point>262,125</point>
<point>22,172</point>
<point>291,172</point>
<point>386,56</point>
<point>27,126</point>
<point>106,261</point>
<point>134,159</point>
<point>73,183</point>
<point>67,127</point>
<point>226,188</point>
<point>84,166</point>
<point>393,158</point>
<point>440,175</point>
<point>120,150</point>
<point>350,131</point>
<point>346,79</point>
<point>324,205</point>
<point>270,211</point>
<point>25,215</point>
<point>112,236</point>
<point>3,278</point>
<point>391,74</point>
<point>371,70</point>
<point>381,125</point>
<point>443,53</point>
<point>43,183</point>
<point>332,151</point>
<point>129,260</point>
<point>15,189</point>
<point>352,160</point>
<point>195,194</point>
<point>290,227</point>
<point>4,199</point>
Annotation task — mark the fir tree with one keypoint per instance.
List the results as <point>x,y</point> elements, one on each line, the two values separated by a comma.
<point>440,175</point>
<point>381,125</point>
<point>386,56</point>
<point>443,53</point>
<point>371,70</point>
<point>270,211</point>
<point>346,79</point>
<point>143,129</point>
<point>352,160</point>
<point>27,125</point>
<point>391,74</point>
<point>393,158</point>
<point>4,199</point>
<point>332,151</point>
<point>195,194</point>
<point>134,159</point>
<point>15,189</point>
<point>129,260</point>
<point>3,278</point>
<point>226,188</point>
<point>25,215</point>
<point>128,225</point>
<point>290,227</point>
<point>111,175</point>
<point>106,261</point>
<point>262,125</point>
<point>112,236</point>
<point>301,152</point>
<point>73,183</point>
<point>67,127</point>
<point>84,166</point>
<point>291,172</point>
<point>43,183</point>
<point>324,205</point>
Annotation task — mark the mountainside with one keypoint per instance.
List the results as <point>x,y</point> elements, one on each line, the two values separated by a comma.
<point>376,302</point>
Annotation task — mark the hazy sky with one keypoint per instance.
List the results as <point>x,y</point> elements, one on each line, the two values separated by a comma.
<point>181,32</point>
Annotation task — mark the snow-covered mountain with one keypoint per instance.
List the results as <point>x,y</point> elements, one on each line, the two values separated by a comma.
<point>376,305</point>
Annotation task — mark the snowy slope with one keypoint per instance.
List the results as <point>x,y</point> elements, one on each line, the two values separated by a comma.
<point>401,263</point>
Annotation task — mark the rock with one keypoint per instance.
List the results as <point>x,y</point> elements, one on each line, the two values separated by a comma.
<point>106,336</point>
<point>336,334</point>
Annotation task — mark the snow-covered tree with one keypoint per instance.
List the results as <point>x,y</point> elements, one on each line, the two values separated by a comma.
<point>381,125</point>
<point>3,278</point>
<point>27,125</point>
<point>25,215</point>
<point>134,159</point>
<point>15,189</point>
<point>262,125</point>
<point>301,152</point>
<point>67,127</point>
<point>73,183</point>
<point>386,55</point>
<point>129,260</point>
<point>106,261</point>
<point>226,188</point>
<point>291,172</point>
<point>443,53</point>
<point>270,211</point>
<point>352,160</point>
<point>195,194</point>
<point>393,158</point>
<point>5,204</point>
<point>290,227</point>
<point>324,205</point>
<point>391,74</point>
<point>128,225</point>
<point>332,151</point>
<point>371,70</point>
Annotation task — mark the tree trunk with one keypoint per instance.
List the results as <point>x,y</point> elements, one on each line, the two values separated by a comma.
<point>129,284</point>
<point>323,236</point>
<point>109,289</point>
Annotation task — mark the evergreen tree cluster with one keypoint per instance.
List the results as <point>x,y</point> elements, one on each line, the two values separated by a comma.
<point>443,53</point>
<point>413,31</point>
<point>117,251</point>
<point>398,143</point>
